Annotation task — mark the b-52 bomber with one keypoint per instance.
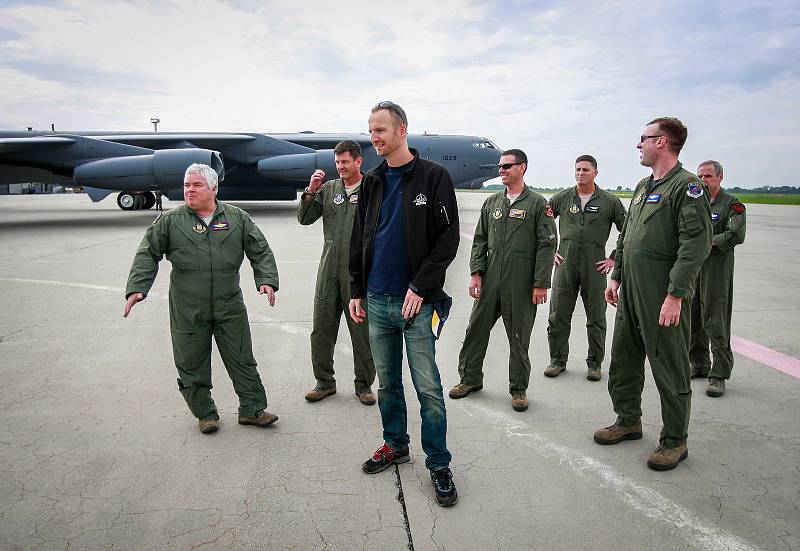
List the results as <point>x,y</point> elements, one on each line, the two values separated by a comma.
<point>254,166</point>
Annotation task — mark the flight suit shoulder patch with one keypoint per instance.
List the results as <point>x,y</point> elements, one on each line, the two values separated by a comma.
<point>738,208</point>
<point>548,211</point>
<point>694,190</point>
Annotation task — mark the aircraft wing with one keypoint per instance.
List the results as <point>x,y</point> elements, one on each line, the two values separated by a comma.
<point>98,163</point>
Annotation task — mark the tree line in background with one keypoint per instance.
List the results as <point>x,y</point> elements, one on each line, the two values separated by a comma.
<point>770,190</point>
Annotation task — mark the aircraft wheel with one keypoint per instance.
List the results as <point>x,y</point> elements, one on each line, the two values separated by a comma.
<point>149,199</point>
<point>126,201</point>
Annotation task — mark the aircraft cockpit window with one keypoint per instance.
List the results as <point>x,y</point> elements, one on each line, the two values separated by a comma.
<point>483,145</point>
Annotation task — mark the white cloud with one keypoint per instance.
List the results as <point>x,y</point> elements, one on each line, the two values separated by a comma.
<point>556,79</point>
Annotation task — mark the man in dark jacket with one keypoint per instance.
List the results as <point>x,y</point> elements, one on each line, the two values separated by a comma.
<point>405,235</point>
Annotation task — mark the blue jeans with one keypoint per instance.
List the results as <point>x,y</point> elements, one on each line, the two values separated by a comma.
<point>386,333</point>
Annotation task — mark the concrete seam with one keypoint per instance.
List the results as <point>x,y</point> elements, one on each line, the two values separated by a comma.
<point>401,498</point>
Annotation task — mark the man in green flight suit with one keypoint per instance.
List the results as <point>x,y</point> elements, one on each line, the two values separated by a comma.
<point>511,265</point>
<point>665,239</point>
<point>336,201</point>
<point>713,302</point>
<point>205,241</point>
<point>585,214</point>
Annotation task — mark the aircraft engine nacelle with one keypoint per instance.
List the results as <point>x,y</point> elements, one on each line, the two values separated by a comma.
<point>163,169</point>
<point>298,167</point>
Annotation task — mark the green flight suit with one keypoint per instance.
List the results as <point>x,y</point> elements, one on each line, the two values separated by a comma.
<point>583,233</point>
<point>663,243</point>
<point>713,303</point>
<point>332,295</point>
<point>205,298</point>
<point>513,252</point>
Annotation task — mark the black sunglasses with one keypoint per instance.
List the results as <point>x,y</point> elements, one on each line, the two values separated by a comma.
<point>507,166</point>
<point>643,138</point>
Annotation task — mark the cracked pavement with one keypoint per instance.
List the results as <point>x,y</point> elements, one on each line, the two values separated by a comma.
<point>98,450</point>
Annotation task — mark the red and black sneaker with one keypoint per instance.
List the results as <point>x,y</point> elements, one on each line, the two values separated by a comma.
<point>384,457</point>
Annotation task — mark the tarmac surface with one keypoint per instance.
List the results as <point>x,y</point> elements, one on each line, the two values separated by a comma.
<point>98,449</point>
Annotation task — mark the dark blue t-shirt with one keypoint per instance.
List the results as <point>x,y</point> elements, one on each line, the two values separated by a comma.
<point>388,273</point>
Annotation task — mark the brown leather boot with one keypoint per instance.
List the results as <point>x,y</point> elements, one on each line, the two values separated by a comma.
<point>617,433</point>
<point>664,459</point>
<point>366,397</point>
<point>319,393</point>
<point>716,387</point>
<point>208,425</point>
<point>461,390</point>
<point>519,401</point>
<point>553,370</point>
<point>262,419</point>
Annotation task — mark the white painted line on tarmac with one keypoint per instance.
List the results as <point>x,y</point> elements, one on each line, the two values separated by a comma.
<point>91,286</point>
<point>695,530</point>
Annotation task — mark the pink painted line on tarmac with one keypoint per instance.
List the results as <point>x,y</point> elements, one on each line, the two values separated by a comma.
<point>766,356</point>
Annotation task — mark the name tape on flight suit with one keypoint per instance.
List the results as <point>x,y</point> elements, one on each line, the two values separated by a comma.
<point>593,208</point>
<point>219,226</point>
<point>516,213</point>
<point>354,198</point>
<point>653,198</point>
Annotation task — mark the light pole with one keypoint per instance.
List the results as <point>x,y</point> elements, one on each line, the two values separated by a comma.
<point>155,121</point>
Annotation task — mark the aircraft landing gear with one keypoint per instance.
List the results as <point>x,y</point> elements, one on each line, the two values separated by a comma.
<point>136,201</point>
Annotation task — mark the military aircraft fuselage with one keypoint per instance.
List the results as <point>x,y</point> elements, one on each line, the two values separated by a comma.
<point>251,165</point>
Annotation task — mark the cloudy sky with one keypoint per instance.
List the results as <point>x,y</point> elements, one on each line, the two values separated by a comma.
<point>557,79</point>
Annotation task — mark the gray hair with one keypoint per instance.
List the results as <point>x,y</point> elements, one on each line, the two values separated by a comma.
<point>208,174</point>
<point>717,167</point>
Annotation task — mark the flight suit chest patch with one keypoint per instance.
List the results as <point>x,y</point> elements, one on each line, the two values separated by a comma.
<point>714,216</point>
<point>517,213</point>
<point>338,199</point>
<point>354,198</point>
<point>574,209</point>
<point>638,198</point>
<point>653,198</point>
<point>497,214</point>
<point>219,226</point>
<point>593,208</point>
<point>199,228</point>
